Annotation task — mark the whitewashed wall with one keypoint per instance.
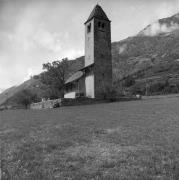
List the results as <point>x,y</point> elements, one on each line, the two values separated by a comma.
<point>89,44</point>
<point>89,83</point>
<point>70,95</point>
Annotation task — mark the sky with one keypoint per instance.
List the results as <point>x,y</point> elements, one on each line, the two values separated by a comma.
<point>33,32</point>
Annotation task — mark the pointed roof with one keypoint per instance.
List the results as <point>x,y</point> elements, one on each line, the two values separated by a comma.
<point>97,13</point>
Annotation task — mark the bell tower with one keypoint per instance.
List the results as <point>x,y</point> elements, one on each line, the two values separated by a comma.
<point>98,51</point>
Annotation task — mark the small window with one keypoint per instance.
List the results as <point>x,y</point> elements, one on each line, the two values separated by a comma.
<point>101,25</point>
<point>89,28</point>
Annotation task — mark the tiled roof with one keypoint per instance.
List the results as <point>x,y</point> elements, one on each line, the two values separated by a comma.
<point>86,67</point>
<point>78,74</point>
<point>97,13</point>
<point>74,77</point>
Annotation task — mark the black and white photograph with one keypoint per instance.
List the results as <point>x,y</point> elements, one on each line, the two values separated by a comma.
<point>89,89</point>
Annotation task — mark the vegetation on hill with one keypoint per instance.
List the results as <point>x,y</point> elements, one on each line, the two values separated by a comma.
<point>149,58</point>
<point>23,99</point>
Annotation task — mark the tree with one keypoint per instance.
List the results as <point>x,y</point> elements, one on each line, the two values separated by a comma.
<point>25,98</point>
<point>55,75</point>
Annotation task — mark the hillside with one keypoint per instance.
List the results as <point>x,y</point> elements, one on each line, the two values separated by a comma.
<point>157,43</point>
<point>152,55</point>
<point>32,84</point>
<point>35,85</point>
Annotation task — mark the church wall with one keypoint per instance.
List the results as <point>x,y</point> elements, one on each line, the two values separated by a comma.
<point>89,41</point>
<point>89,83</point>
<point>76,87</point>
<point>82,88</point>
<point>70,95</point>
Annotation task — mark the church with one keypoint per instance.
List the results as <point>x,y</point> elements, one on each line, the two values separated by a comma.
<point>95,78</point>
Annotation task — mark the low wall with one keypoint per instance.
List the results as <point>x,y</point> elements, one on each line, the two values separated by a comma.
<point>80,101</point>
<point>64,102</point>
<point>48,104</point>
<point>77,101</point>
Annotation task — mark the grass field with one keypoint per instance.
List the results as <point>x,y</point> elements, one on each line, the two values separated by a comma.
<point>137,140</point>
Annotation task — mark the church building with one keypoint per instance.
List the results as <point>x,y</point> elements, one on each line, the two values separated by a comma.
<point>95,78</point>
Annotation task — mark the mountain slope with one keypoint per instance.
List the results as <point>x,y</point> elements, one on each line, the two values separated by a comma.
<point>163,26</point>
<point>32,84</point>
<point>36,86</point>
<point>154,51</point>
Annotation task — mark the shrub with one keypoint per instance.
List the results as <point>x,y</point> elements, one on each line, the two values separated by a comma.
<point>129,81</point>
<point>25,98</point>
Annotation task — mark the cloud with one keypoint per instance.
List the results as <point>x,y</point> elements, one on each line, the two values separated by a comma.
<point>73,53</point>
<point>158,28</point>
<point>166,9</point>
<point>50,41</point>
<point>29,36</point>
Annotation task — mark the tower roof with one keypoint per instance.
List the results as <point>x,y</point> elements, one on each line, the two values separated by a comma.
<point>97,12</point>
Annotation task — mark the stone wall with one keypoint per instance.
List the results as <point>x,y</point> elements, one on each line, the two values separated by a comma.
<point>64,102</point>
<point>48,104</point>
<point>78,101</point>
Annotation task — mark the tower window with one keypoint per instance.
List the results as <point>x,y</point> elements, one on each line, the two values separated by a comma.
<point>89,28</point>
<point>101,25</point>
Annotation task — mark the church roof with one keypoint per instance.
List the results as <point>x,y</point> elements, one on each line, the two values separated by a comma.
<point>86,67</point>
<point>97,13</point>
<point>77,75</point>
<point>74,77</point>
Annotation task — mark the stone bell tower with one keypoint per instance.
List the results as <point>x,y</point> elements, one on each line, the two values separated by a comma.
<point>98,51</point>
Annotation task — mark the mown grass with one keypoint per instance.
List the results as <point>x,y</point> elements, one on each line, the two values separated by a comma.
<point>136,140</point>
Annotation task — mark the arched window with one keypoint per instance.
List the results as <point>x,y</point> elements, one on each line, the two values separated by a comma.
<point>89,28</point>
<point>103,25</point>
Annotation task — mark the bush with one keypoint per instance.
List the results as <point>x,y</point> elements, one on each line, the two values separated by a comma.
<point>110,94</point>
<point>138,89</point>
<point>129,81</point>
<point>56,105</point>
<point>25,98</point>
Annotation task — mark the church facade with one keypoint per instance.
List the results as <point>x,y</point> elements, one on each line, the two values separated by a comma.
<point>95,79</point>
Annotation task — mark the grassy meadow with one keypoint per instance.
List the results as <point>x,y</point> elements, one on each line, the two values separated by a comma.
<point>136,140</point>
